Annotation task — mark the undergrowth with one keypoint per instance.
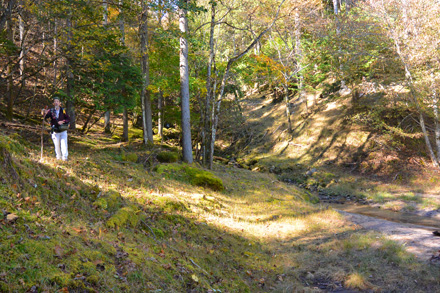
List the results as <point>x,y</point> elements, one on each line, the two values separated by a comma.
<point>97,224</point>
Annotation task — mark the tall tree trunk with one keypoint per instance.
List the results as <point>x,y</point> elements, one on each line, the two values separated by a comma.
<point>289,121</point>
<point>338,33</point>
<point>299,57</point>
<point>125,111</point>
<point>22,45</point>
<point>9,72</point>
<point>209,92</point>
<point>125,124</point>
<point>107,121</point>
<point>184,86</point>
<point>6,13</point>
<point>147,122</point>
<point>55,53</point>
<point>105,14</point>
<point>70,104</point>
<point>435,106</point>
<point>160,114</point>
<point>105,23</point>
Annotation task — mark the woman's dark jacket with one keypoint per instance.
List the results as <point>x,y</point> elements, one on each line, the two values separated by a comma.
<point>62,116</point>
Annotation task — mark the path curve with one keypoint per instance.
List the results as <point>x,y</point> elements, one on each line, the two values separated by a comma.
<point>417,239</point>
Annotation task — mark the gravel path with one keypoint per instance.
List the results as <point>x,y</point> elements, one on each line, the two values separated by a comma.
<point>418,240</point>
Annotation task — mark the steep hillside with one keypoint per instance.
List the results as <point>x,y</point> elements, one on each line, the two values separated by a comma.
<point>104,221</point>
<point>339,146</point>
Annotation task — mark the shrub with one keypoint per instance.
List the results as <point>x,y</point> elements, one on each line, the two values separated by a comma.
<point>130,157</point>
<point>100,203</point>
<point>114,199</point>
<point>167,157</point>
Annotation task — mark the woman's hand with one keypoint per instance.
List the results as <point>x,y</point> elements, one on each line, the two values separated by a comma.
<point>60,122</point>
<point>44,111</point>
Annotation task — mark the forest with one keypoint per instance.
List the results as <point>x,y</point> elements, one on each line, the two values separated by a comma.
<point>221,146</point>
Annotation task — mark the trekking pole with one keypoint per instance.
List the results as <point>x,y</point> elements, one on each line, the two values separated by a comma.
<point>42,134</point>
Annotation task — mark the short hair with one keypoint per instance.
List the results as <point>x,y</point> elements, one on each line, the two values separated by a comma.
<point>56,98</point>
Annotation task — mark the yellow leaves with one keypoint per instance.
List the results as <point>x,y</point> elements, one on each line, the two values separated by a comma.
<point>194,278</point>
<point>10,218</point>
<point>248,254</point>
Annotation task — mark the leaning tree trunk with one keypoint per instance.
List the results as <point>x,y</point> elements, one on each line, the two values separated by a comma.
<point>147,122</point>
<point>413,93</point>
<point>184,86</point>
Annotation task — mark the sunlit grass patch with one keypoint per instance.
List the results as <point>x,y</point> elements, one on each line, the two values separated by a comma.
<point>357,281</point>
<point>410,197</point>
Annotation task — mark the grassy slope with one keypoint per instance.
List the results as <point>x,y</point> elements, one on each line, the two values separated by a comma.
<point>257,235</point>
<point>351,158</point>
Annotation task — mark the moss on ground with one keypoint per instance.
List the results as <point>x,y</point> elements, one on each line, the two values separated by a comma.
<point>129,157</point>
<point>192,175</point>
<point>127,215</point>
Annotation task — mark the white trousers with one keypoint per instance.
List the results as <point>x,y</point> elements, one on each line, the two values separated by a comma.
<point>60,142</point>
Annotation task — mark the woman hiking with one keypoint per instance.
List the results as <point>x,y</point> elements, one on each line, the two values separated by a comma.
<point>59,121</point>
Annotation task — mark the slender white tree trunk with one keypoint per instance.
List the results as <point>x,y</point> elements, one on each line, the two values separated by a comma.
<point>209,90</point>
<point>145,94</point>
<point>435,107</point>
<point>413,93</point>
<point>22,43</point>
<point>160,115</point>
<point>184,87</point>
<point>299,57</point>
<point>55,53</point>
<point>338,34</point>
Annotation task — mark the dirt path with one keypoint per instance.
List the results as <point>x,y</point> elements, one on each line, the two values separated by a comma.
<point>418,239</point>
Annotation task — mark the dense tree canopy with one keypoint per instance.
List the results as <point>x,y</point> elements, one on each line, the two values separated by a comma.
<point>124,55</point>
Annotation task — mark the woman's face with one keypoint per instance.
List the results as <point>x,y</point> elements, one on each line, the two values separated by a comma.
<point>56,103</point>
